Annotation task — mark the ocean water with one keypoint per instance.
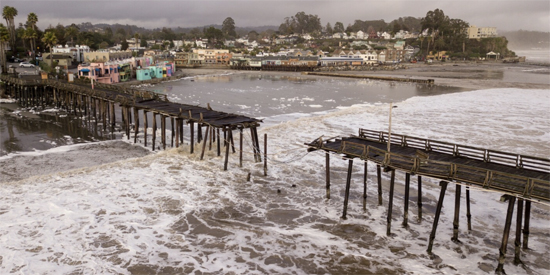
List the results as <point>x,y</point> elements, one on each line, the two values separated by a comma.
<point>170,213</point>
<point>538,56</point>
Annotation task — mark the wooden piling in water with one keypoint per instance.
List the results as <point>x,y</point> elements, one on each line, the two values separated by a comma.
<point>327,174</point>
<point>526,225</point>
<point>390,203</point>
<point>419,198</point>
<point>218,141</point>
<point>458,188</point>
<point>173,132</point>
<point>265,152</point>
<point>145,128</point>
<point>204,143</point>
<point>443,185</point>
<point>348,184</point>
<point>406,200</point>
<point>379,179</point>
<point>163,130</point>
<point>255,130</point>
<point>468,214</point>
<point>502,250</point>
<point>154,130</point>
<point>365,173</point>
<point>517,241</point>
<point>240,147</point>
<point>226,154</point>
<point>136,125</point>
<point>192,136</point>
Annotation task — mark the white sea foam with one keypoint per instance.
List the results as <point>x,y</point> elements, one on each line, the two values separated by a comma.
<point>172,213</point>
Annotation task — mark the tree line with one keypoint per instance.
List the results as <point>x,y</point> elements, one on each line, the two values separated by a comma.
<point>440,33</point>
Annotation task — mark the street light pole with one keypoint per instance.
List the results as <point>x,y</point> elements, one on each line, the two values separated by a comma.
<point>389,128</point>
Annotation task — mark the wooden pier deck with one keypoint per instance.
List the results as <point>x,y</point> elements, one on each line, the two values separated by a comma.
<point>429,81</point>
<point>98,102</point>
<point>520,177</point>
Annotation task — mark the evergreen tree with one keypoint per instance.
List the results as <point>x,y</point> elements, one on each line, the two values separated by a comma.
<point>228,28</point>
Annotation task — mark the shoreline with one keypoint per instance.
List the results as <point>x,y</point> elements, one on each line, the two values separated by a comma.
<point>465,75</point>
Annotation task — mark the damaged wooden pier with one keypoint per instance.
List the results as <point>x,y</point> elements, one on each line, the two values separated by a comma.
<point>101,102</point>
<point>429,81</point>
<point>520,177</point>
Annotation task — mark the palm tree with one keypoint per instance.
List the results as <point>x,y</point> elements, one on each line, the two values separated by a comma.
<point>32,19</point>
<point>31,35</point>
<point>4,39</point>
<point>9,13</point>
<point>50,39</point>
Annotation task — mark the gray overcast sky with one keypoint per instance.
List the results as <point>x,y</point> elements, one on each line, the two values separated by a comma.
<point>503,14</point>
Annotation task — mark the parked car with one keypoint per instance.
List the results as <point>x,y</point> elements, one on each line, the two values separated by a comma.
<point>15,60</point>
<point>26,65</point>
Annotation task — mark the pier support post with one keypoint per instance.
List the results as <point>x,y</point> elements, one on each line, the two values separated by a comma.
<point>390,203</point>
<point>145,128</point>
<point>199,132</point>
<point>517,242</point>
<point>204,144</point>
<point>177,132</point>
<point>210,139</point>
<point>240,147</point>
<point>218,141</point>
<point>136,125</point>
<point>526,225</point>
<point>327,174</point>
<point>502,250</point>
<point>154,130</point>
<point>129,121</point>
<point>163,131</point>
<point>458,189</point>
<point>173,132</point>
<point>113,115</point>
<point>233,142</point>
<point>379,178</point>
<point>419,202</point>
<point>226,151</point>
<point>468,214</point>
<point>255,130</point>
<point>104,114</point>
<point>181,131</point>
<point>192,130</point>
<point>348,184</point>
<point>265,149</point>
<point>406,200</point>
<point>365,186</point>
<point>443,185</point>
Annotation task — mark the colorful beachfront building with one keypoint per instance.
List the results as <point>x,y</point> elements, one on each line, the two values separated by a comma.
<point>161,70</point>
<point>100,72</point>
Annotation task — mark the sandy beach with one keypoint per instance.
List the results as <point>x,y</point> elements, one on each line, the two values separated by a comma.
<point>466,75</point>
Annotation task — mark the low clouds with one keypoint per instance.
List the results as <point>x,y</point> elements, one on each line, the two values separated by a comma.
<point>505,15</point>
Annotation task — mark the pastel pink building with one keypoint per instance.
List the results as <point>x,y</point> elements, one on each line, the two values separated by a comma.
<point>100,72</point>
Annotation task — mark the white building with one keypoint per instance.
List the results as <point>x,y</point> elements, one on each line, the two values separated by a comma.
<point>483,32</point>
<point>77,52</point>
<point>361,35</point>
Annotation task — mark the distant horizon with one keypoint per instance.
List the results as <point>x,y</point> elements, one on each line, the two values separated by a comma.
<point>505,15</point>
<point>275,28</point>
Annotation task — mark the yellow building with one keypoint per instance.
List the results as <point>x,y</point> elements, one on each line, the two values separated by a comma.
<point>484,32</point>
<point>104,56</point>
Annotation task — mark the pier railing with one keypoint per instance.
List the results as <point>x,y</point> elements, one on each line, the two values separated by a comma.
<point>513,181</point>
<point>485,155</point>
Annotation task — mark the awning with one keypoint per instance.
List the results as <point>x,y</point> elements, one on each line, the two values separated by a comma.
<point>85,70</point>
